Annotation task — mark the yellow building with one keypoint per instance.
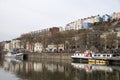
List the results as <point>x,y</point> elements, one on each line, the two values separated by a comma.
<point>78,24</point>
<point>92,19</point>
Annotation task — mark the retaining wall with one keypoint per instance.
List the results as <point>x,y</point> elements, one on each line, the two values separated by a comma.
<point>49,56</point>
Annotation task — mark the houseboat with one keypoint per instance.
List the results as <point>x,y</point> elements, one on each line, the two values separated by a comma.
<point>92,57</point>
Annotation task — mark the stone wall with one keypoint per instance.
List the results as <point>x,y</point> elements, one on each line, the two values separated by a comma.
<point>50,56</point>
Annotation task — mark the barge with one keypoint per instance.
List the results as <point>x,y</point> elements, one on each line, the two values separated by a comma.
<point>94,58</point>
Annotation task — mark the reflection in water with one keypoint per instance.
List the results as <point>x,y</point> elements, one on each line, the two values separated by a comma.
<point>60,71</point>
<point>90,67</point>
<point>12,64</point>
<point>6,68</point>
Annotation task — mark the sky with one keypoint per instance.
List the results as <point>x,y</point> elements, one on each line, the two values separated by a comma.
<point>23,16</point>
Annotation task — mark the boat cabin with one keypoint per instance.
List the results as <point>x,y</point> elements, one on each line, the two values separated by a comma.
<point>90,54</point>
<point>99,55</point>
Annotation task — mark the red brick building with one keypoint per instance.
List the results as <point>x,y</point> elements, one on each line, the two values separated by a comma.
<point>53,30</point>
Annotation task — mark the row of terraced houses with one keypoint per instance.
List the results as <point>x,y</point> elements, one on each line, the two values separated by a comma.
<point>75,25</point>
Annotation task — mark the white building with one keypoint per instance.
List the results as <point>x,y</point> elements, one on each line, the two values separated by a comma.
<point>60,47</point>
<point>118,34</point>
<point>71,26</point>
<point>7,46</point>
<point>15,43</point>
<point>38,47</point>
<point>97,18</point>
<point>113,16</point>
<point>51,48</point>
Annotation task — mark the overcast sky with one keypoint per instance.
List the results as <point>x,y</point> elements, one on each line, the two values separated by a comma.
<point>22,16</point>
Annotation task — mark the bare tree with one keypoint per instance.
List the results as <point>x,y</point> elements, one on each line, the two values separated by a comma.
<point>111,40</point>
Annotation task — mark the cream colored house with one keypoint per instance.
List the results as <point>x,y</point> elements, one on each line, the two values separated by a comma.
<point>60,47</point>
<point>118,15</point>
<point>38,47</point>
<point>7,46</point>
<point>51,48</point>
<point>15,43</point>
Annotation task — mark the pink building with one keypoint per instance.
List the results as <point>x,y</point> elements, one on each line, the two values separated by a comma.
<point>118,15</point>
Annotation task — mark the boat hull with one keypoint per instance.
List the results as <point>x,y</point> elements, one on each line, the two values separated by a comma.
<point>18,55</point>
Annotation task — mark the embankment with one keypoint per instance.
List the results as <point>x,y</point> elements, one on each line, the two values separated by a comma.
<point>50,56</point>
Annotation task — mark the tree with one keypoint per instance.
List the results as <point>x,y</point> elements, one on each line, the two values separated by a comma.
<point>28,38</point>
<point>69,37</point>
<point>82,41</point>
<point>111,41</point>
<point>57,39</point>
<point>24,39</point>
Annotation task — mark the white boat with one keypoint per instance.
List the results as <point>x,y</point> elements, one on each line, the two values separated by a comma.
<point>14,54</point>
<point>91,55</point>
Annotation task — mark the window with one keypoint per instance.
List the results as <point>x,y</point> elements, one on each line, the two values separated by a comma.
<point>108,55</point>
<point>104,55</point>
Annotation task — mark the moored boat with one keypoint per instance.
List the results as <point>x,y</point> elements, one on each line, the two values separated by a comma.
<point>15,53</point>
<point>86,55</point>
<point>90,55</point>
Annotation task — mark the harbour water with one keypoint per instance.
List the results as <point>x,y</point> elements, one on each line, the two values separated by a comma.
<point>12,69</point>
